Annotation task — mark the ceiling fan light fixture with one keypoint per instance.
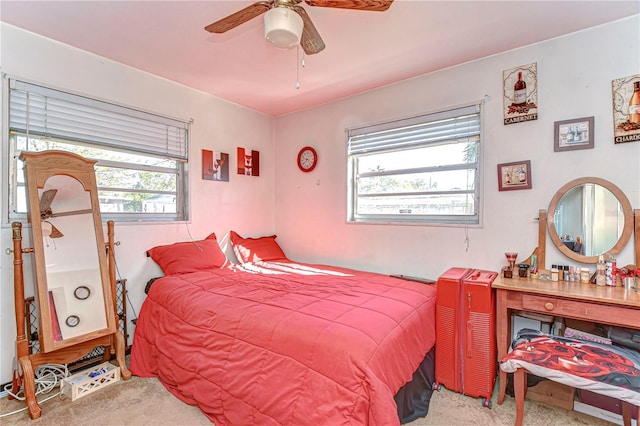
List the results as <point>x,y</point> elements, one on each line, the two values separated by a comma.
<point>47,229</point>
<point>283,27</point>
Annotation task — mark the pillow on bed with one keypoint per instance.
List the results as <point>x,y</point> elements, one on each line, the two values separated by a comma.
<point>249,250</point>
<point>189,256</point>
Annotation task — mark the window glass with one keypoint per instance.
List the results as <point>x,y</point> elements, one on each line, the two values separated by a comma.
<point>141,175</point>
<point>129,185</point>
<point>421,170</point>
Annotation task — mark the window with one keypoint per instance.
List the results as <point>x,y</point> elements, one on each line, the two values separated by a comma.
<point>418,170</point>
<point>141,157</point>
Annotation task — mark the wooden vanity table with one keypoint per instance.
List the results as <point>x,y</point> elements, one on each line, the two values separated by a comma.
<point>607,305</point>
<point>578,209</point>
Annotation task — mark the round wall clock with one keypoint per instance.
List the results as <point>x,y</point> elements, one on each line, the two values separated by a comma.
<point>307,159</point>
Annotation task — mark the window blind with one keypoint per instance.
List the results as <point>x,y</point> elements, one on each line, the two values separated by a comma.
<point>451,125</point>
<point>46,112</point>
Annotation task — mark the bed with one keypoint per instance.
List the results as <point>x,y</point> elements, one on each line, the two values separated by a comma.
<point>272,341</point>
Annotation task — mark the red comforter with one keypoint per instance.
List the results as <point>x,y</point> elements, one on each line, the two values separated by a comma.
<point>285,344</point>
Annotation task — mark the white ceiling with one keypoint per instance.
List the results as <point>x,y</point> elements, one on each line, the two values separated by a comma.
<point>364,49</point>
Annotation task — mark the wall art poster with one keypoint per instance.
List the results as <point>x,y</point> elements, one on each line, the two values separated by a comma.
<point>215,165</point>
<point>626,109</point>
<point>248,162</point>
<point>520,98</point>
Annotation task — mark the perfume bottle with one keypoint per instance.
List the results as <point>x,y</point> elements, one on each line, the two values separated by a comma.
<point>601,267</point>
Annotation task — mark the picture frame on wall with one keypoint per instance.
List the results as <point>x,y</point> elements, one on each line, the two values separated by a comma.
<point>513,176</point>
<point>569,135</point>
<point>215,165</point>
<point>626,109</point>
<point>520,93</point>
<point>248,162</point>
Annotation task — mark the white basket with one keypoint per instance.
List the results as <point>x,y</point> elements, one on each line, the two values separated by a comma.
<point>89,381</point>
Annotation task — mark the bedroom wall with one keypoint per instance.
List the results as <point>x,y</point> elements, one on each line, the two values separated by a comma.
<point>574,78</point>
<point>245,203</point>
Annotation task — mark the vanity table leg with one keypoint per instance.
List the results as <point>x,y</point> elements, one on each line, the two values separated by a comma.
<point>28,383</point>
<point>502,336</point>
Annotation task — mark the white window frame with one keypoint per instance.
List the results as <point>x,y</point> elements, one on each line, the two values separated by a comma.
<point>36,112</point>
<point>451,126</point>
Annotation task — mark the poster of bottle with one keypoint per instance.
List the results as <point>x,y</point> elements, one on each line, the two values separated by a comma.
<point>520,98</point>
<point>626,109</point>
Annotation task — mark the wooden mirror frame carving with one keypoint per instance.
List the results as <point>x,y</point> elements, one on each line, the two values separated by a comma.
<point>38,168</point>
<point>627,230</point>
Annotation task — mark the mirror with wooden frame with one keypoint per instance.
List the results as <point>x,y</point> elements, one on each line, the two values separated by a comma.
<point>68,248</point>
<point>588,217</point>
<point>74,280</point>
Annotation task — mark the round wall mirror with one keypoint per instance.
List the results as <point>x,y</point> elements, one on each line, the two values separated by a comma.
<point>588,217</point>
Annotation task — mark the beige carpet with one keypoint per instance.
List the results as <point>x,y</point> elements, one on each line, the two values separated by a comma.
<point>146,402</point>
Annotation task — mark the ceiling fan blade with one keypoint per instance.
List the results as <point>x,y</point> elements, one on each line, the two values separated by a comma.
<point>377,5</point>
<point>310,41</point>
<point>46,199</point>
<point>70,213</point>
<point>55,232</point>
<point>240,17</point>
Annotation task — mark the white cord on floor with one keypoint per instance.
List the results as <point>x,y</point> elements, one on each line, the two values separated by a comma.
<point>24,408</point>
<point>47,377</point>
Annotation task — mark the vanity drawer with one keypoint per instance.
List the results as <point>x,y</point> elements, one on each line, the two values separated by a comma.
<point>596,312</point>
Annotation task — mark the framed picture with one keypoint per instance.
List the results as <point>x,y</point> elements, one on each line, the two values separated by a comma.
<point>520,93</point>
<point>573,134</point>
<point>248,162</point>
<point>513,176</point>
<point>626,109</point>
<point>215,165</point>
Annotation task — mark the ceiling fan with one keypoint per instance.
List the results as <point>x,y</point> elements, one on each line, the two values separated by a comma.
<point>48,229</point>
<point>45,213</point>
<point>287,24</point>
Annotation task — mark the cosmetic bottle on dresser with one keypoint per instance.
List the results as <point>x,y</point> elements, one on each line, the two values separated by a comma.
<point>610,270</point>
<point>584,275</point>
<point>560,272</point>
<point>601,267</point>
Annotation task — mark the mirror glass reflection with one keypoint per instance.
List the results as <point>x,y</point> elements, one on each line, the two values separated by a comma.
<point>71,258</point>
<point>589,219</point>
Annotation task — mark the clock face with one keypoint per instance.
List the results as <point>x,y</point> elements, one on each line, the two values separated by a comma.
<point>82,292</point>
<point>72,320</point>
<point>307,159</point>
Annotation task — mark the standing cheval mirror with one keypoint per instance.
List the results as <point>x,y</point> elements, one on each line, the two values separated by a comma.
<point>74,281</point>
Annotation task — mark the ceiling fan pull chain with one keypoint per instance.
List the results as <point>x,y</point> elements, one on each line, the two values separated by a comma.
<point>298,67</point>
